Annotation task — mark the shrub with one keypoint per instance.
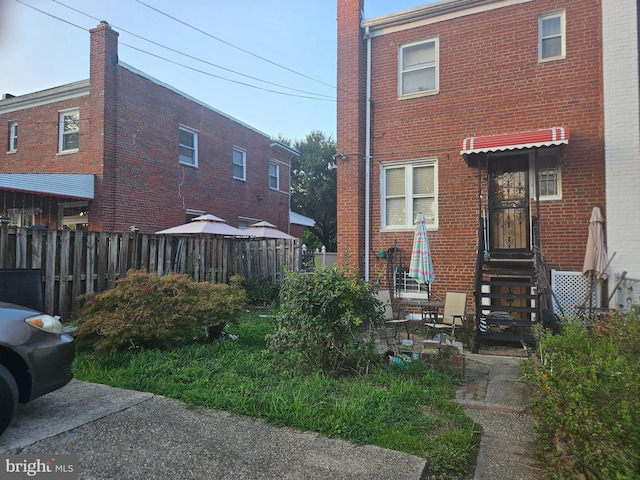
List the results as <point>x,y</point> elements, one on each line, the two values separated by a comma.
<point>261,290</point>
<point>325,321</point>
<point>586,395</point>
<point>147,310</point>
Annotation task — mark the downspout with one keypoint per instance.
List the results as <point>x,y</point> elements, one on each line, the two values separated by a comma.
<point>289,202</point>
<point>367,184</point>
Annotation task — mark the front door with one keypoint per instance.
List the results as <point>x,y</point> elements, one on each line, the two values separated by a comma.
<point>508,206</point>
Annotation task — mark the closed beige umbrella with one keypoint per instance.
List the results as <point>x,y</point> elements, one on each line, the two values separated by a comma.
<point>596,258</point>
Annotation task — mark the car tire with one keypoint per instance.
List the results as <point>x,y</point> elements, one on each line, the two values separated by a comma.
<point>8,397</point>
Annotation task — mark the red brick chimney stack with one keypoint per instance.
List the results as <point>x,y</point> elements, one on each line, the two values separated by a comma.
<point>351,135</point>
<point>100,129</point>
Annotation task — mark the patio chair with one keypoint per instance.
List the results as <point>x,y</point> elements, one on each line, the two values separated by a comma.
<point>390,319</point>
<point>453,313</point>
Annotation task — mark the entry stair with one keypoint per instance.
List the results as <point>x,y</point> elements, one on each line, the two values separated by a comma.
<point>507,301</point>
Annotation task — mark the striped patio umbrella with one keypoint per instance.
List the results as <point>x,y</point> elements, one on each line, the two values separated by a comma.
<point>421,266</point>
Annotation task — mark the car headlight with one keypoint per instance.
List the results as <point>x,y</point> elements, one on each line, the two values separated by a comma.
<point>45,322</point>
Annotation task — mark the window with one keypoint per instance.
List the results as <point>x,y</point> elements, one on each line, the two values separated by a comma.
<point>69,130</point>
<point>192,213</point>
<point>551,36</point>
<point>246,222</point>
<point>188,146</point>
<point>274,175</point>
<point>549,175</point>
<point>409,189</point>
<point>239,163</point>
<point>74,215</point>
<point>418,64</point>
<point>13,136</point>
<point>22,217</point>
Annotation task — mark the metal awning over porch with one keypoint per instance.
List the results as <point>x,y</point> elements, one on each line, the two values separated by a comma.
<point>67,185</point>
<point>515,141</point>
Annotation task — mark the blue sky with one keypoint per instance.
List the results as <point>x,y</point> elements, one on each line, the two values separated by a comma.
<point>295,39</point>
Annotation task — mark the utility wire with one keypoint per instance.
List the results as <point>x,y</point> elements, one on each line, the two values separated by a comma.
<point>180,64</point>
<point>234,46</point>
<point>227,79</point>
<point>120,29</point>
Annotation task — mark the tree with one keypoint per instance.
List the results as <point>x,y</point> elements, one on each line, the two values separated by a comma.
<point>314,188</point>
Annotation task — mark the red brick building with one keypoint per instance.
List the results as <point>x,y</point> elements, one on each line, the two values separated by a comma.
<point>123,149</point>
<point>487,117</point>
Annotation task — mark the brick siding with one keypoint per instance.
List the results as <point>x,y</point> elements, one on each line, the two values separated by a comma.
<point>490,82</point>
<point>129,126</point>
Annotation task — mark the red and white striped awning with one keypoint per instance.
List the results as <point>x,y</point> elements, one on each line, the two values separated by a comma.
<point>515,141</point>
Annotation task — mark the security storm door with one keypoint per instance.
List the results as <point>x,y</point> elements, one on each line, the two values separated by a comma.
<point>508,215</point>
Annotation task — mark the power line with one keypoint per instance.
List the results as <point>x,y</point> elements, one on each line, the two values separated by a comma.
<point>235,46</point>
<point>227,79</point>
<point>182,65</point>
<point>120,29</point>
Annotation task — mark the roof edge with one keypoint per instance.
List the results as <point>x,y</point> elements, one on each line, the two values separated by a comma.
<point>431,13</point>
<point>45,97</point>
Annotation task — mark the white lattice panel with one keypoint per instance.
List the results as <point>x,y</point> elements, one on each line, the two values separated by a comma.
<point>628,293</point>
<point>407,287</point>
<point>571,290</point>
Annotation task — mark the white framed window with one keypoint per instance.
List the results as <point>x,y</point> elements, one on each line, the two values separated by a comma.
<point>246,222</point>
<point>23,217</point>
<point>274,175</point>
<point>73,215</point>
<point>551,36</point>
<point>192,213</point>
<point>13,136</point>
<point>188,146</point>
<point>239,163</point>
<point>408,189</point>
<point>418,68</point>
<point>69,130</point>
<point>549,175</point>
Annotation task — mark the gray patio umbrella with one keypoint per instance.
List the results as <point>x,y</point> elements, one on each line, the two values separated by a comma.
<point>205,224</point>
<point>596,258</point>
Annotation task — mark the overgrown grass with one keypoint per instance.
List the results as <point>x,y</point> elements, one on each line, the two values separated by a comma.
<point>409,409</point>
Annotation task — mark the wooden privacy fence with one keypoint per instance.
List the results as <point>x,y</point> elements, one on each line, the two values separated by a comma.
<point>74,263</point>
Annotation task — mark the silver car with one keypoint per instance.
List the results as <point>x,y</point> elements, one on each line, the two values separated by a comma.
<point>35,357</point>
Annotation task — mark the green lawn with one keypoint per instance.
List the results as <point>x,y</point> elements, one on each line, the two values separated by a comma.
<point>409,409</point>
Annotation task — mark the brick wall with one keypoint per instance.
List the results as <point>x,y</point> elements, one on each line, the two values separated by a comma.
<point>350,136</point>
<point>490,82</point>
<point>129,128</point>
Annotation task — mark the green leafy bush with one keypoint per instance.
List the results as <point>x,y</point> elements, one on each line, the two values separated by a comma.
<point>586,398</point>
<point>261,290</point>
<point>147,310</point>
<point>325,321</point>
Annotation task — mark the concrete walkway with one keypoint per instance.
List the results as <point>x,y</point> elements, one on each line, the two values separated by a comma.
<point>120,433</point>
<point>495,397</point>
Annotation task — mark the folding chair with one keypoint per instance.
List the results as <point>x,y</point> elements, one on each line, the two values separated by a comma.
<point>390,319</point>
<point>455,304</point>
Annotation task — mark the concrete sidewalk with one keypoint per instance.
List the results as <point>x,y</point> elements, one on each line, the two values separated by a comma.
<point>123,434</point>
<point>495,397</point>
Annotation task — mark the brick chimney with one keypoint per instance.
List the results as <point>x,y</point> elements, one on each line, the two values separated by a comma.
<point>351,132</point>
<point>100,131</point>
